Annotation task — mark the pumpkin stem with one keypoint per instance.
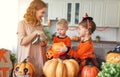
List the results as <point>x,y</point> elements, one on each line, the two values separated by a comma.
<point>25,60</point>
<point>88,61</point>
<point>90,64</point>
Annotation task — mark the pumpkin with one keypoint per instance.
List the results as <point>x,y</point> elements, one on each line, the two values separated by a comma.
<point>113,57</point>
<point>61,68</point>
<point>57,46</point>
<point>89,71</point>
<point>49,54</point>
<point>75,38</point>
<point>53,53</point>
<point>24,68</point>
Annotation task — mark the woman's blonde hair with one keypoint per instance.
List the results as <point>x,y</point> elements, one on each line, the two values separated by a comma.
<point>63,23</point>
<point>30,14</point>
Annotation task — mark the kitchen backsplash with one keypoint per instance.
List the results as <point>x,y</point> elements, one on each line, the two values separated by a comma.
<point>110,34</point>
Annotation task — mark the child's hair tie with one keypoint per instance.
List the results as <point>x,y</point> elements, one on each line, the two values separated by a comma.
<point>88,24</point>
<point>87,18</point>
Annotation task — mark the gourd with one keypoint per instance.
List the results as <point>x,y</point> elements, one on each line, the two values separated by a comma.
<point>61,68</point>
<point>24,68</point>
<point>113,57</point>
<point>89,71</point>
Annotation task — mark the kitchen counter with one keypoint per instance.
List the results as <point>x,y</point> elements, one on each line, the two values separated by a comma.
<point>107,42</point>
<point>101,42</point>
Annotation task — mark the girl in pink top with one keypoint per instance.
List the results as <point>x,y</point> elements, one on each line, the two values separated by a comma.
<point>28,31</point>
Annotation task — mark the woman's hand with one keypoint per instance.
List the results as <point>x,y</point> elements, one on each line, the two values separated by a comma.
<point>43,43</point>
<point>37,32</point>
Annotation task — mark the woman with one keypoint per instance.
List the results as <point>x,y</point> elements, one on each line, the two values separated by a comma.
<point>28,31</point>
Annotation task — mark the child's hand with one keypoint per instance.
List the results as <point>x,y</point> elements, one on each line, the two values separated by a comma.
<point>62,49</point>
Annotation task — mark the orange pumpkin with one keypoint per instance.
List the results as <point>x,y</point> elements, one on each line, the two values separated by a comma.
<point>24,68</point>
<point>75,38</point>
<point>89,71</point>
<point>113,57</point>
<point>53,53</point>
<point>57,46</point>
<point>49,54</point>
<point>61,68</point>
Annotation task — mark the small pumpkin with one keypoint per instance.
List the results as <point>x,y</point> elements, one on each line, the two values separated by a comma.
<point>49,54</point>
<point>113,57</point>
<point>24,68</point>
<point>89,71</point>
<point>57,46</point>
<point>75,38</point>
<point>61,68</point>
<point>53,53</point>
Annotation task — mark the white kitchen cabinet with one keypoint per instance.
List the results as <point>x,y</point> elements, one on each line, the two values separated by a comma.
<point>86,7</point>
<point>97,9</point>
<point>104,12</point>
<point>111,16</point>
<point>76,9</point>
<point>56,9</point>
<point>72,13</point>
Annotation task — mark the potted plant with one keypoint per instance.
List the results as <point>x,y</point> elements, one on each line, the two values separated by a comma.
<point>98,38</point>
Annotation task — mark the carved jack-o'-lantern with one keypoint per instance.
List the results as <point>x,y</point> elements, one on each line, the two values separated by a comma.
<point>49,54</point>
<point>113,57</point>
<point>24,68</point>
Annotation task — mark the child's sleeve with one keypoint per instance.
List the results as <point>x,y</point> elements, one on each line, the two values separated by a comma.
<point>21,31</point>
<point>84,52</point>
<point>68,44</point>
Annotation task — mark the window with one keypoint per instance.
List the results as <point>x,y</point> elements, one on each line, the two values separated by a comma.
<point>76,13</point>
<point>69,12</point>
